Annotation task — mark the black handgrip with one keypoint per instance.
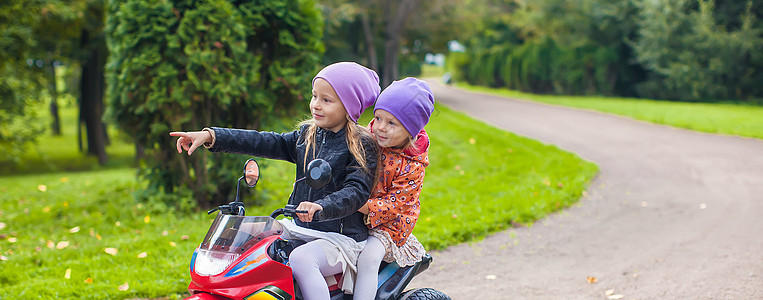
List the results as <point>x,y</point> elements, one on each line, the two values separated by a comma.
<point>318,216</point>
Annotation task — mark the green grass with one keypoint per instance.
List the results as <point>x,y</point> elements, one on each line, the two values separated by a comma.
<point>730,119</point>
<point>61,153</point>
<point>480,180</point>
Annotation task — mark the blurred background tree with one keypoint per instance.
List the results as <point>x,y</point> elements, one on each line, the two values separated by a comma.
<point>187,64</point>
<point>679,50</point>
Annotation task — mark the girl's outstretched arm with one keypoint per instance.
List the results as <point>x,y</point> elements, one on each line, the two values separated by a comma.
<point>189,141</point>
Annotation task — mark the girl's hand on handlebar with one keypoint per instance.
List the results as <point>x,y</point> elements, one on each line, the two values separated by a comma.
<point>189,141</point>
<point>311,208</point>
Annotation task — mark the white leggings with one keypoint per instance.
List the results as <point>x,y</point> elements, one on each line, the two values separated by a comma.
<point>309,265</point>
<point>368,269</point>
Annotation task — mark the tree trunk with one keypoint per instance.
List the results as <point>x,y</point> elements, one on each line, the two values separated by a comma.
<point>373,62</point>
<point>91,100</point>
<point>392,43</point>
<point>55,125</point>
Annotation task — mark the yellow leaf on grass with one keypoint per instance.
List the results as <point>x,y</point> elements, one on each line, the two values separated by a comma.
<point>46,209</point>
<point>142,255</point>
<point>62,244</point>
<point>68,273</point>
<point>64,179</point>
<point>74,230</point>
<point>112,251</point>
<point>147,219</point>
<point>472,141</point>
<point>12,240</point>
<point>51,244</point>
<point>42,188</point>
<point>591,279</point>
<point>89,280</point>
<point>124,287</point>
<point>173,244</point>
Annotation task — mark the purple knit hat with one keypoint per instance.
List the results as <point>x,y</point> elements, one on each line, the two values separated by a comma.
<point>410,100</point>
<point>356,85</point>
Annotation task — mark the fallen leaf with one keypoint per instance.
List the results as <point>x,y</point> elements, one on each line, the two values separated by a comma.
<point>490,277</point>
<point>112,251</point>
<point>142,255</point>
<point>12,240</point>
<point>614,297</point>
<point>124,287</point>
<point>74,230</point>
<point>609,292</point>
<point>147,219</point>
<point>165,233</point>
<point>173,244</point>
<point>472,141</point>
<point>2,225</point>
<point>184,237</point>
<point>3,257</point>
<point>66,203</point>
<point>68,273</point>
<point>591,279</point>
<point>62,244</point>
<point>98,236</point>
<point>702,206</point>
<point>89,280</point>
<point>64,179</point>
<point>46,209</point>
<point>643,204</point>
<point>51,244</point>
<point>42,188</point>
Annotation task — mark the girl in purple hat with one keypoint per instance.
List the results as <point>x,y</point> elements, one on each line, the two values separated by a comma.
<point>340,94</point>
<point>400,114</point>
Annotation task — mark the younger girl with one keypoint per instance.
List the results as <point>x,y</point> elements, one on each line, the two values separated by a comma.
<point>341,92</point>
<point>400,114</point>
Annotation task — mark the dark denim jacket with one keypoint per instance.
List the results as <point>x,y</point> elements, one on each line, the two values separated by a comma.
<point>348,190</point>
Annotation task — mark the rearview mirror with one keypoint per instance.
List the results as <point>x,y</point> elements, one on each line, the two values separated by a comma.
<point>251,172</point>
<point>318,173</point>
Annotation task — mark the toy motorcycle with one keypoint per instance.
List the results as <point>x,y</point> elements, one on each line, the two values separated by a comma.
<point>245,257</point>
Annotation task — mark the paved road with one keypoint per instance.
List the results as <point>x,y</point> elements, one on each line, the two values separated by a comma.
<point>673,214</point>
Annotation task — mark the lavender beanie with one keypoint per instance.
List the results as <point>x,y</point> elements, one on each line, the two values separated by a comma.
<point>410,100</point>
<point>356,85</point>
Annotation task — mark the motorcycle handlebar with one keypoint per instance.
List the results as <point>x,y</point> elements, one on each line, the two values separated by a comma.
<point>291,211</point>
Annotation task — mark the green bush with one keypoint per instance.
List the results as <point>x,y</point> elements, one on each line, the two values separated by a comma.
<point>186,64</point>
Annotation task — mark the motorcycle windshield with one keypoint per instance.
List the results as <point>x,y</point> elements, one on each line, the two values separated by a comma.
<point>235,234</point>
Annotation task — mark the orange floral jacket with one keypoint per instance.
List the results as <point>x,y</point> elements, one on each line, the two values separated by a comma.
<point>394,203</point>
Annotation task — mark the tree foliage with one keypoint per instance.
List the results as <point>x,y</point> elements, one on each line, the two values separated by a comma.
<point>685,50</point>
<point>185,65</point>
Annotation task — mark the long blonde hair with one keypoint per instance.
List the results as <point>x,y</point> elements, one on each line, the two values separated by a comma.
<point>354,135</point>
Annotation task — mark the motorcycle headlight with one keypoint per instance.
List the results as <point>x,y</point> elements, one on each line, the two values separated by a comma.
<point>213,262</point>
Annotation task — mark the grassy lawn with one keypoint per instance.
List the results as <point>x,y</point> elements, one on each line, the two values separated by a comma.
<point>82,235</point>
<point>730,119</point>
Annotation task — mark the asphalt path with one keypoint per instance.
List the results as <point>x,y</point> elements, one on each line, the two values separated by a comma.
<point>673,214</point>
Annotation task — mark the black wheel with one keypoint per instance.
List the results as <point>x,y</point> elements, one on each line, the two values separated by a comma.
<point>423,294</point>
